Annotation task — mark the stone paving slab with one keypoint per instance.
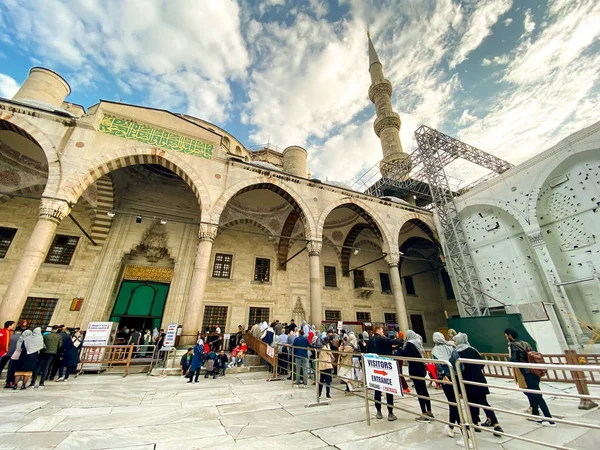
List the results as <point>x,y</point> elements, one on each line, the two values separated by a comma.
<point>243,411</point>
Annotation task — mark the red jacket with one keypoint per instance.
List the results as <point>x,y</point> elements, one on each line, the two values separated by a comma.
<point>5,335</point>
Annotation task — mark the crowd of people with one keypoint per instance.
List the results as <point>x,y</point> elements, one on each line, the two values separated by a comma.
<point>33,355</point>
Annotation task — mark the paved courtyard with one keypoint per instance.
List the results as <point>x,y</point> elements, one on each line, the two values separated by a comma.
<point>241,411</point>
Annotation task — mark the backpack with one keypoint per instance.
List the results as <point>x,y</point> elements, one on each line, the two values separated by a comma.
<point>533,357</point>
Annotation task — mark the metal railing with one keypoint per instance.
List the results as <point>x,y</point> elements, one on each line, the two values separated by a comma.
<point>105,358</point>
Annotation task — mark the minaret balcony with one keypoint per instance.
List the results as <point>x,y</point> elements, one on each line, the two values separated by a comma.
<point>386,120</point>
<point>383,87</point>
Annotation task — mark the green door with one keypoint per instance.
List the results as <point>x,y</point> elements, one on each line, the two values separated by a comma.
<point>140,304</point>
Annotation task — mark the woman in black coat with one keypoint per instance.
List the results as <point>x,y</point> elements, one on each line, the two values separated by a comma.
<point>474,373</point>
<point>413,348</point>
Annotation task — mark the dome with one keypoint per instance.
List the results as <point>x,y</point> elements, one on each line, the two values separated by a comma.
<point>44,106</point>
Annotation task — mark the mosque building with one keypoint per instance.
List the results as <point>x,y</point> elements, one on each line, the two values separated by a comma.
<point>148,217</point>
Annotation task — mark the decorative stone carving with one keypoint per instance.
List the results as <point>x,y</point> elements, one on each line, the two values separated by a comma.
<point>384,87</point>
<point>153,244</point>
<point>392,259</point>
<point>54,210</point>
<point>386,121</point>
<point>536,239</point>
<point>314,248</point>
<point>298,313</point>
<point>207,232</point>
<point>148,273</point>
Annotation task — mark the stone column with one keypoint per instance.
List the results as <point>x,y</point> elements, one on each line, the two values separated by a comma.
<point>192,319</point>
<point>52,212</point>
<point>393,260</point>
<point>314,256</point>
<point>565,312</point>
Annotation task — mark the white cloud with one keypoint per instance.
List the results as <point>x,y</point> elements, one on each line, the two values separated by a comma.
<point>8,86</point>
<point>528,23</point>
<point>496,60</point>
<point>479,27</point>
<point>319,7</point>
<point>146,41</point>
<point>486,62</point>
<point>507,22</point>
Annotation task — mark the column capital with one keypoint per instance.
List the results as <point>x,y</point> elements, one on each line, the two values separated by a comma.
<point>536,239</point>
<point>392,259</point>
<point>314,248</point>
<point>208,232</point>
<point>54,210</point>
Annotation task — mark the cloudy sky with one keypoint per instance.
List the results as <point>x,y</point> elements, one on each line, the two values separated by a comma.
<point>511,77</point>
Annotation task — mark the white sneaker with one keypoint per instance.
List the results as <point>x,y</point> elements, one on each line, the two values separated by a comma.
<point>60,379</point>
<point>448,431</point>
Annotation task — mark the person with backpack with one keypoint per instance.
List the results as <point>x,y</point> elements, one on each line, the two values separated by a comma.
<point>521,351</point>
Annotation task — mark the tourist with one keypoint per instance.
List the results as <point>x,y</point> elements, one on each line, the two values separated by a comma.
<point>210,365</point>
<point>474,373</point>
<point>451,334</point>
<point>53,346</point>
<point>197,361</point>
<point>221,363</point>
<point>278,327</point>
<point>70,357</point>
<point>362,344</point>
<point>397,350</point>
<point>5,336</point>
<point>326,368</point>
<point>237,354</point>
<point>382,345</point>
<point>443,351</point>
<point>255,330</point>
<point>290,343</point>
<point>282,355</point>
<point>24,325</point>
<point>146,341</point>
<point>134,339</point>
<point>239,335</point>
<point>12,346</point>
<point>305,328</point>
<point>345,369</point>
<point>292,326</point>
<point>301,358</point>
<point>186,362</point>
<point>517,351</point>
<point>267,333</point>
<point>413,348</point>
<point>28,350</point>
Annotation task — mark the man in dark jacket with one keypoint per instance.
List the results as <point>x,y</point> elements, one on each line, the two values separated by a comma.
<point>53,346</point>
<point>301,358</point>
<point>383,345</point>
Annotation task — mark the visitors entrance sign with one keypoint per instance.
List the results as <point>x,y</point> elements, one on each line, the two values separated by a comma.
<point>382,374</point>
<point>340,325</point>
<point>170,335</point>
<point>98,334</point>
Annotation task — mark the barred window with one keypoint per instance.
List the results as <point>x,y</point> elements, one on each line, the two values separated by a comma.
<point>258,315</point>
<point>38,311</point>
<point>222,266</point>
<point>390,317</point>
<point>330,276</point>
<point>410,285</point>
<point>62,249</point>
<point>363,316</point>
<point>262,269</point>
<point>384,278</point>
<point>6,237</point>
<point>214,316</point>
<point>334,315</point>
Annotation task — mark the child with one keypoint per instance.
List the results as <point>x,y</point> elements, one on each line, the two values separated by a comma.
<point>210,365</point>
<point>221,362</point>
<point>186,362</point>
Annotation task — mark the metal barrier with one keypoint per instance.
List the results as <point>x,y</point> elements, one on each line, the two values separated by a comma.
<point>106,357</point>
<point>463,384</point>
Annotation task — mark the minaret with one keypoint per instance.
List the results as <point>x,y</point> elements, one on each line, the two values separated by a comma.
<point>387,124</point>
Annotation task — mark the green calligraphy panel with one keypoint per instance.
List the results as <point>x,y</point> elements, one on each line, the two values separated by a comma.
<point>128,129</point>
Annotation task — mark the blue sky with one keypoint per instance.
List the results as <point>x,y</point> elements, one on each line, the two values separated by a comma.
<point>511,77</point>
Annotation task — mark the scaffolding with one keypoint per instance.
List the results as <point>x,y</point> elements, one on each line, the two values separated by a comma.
<point>428,184</point>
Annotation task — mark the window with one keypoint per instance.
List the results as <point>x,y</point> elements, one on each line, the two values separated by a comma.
<point>409,284</point>
<point>258,315</point>
<point>330,276</point>
<point>359,279</point>
<point>417,325</point>
<point>334,315</point>
<point>390,317</point>
<point>214,316</point>
<point>38,311</point>
<point>363,316</point>
<point>448,285</point>
<point>261,269</point>
<point>62,249</point>
<point>384,278</point>
<point>222,266</point>
<point>6,237</point>
<point>497,311</point>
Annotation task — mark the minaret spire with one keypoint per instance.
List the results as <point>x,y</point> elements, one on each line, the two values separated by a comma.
<point>387,124</point>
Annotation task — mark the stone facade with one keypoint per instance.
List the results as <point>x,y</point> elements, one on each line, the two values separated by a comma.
<point>199,192</point>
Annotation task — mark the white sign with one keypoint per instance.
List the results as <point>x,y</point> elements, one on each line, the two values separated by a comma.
<point>170,335</point>
<point>98,333</point>
<point>270,351</point>
<point>382,374</point>
<point>340,325</point>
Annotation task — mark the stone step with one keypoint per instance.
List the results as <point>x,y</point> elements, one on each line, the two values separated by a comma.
<point>156,372</point>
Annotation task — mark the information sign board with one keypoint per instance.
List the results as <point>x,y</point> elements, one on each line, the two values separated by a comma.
<point>170,335</point>
<point>382,374</point>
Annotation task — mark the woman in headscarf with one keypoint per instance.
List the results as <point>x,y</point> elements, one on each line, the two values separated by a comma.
<point>325,368</point>
<point>451,333</point>
<point>70,357</point>
<point>196,361</point>
<point>345,369</point>
<point>268,333</point>
<point>413,348</point>
<point>474,373</point>
<point>446,352</point>
<point>356,369</point>
<point>29,346</point>
<point>397,352</point>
